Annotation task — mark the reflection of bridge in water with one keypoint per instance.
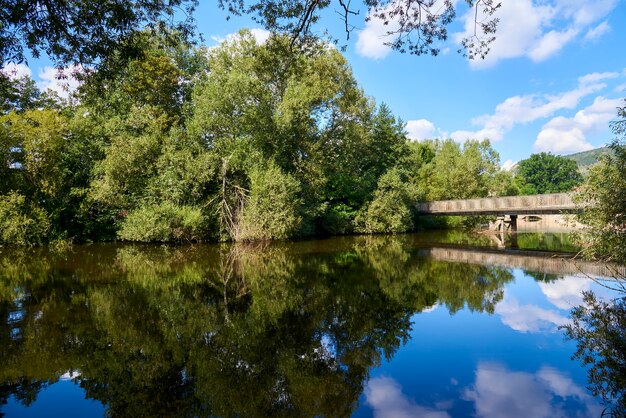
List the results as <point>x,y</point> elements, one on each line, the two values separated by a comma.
<point>506,208</point>
<point>539,261</point>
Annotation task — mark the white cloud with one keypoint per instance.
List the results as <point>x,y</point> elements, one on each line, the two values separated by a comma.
<point>620,88</point>
<point>508,165</point>
<point>371,40</point>
<point>493,134</point>
<point>593,78</point>
<point>61,81</point>
<point>15,71</point>
<point>500,392</point>
<point>550,43</point>
<point>385,396</point>
<point>562,135</point>
<point>539,29</point>
<point>528,108</point>
<point>260,35</point>
<point>420,129</point>
<point>596,33</point>
<point>562,141</point>
<point>565,293</point>
<point>584,12</point>
<point>528,318</point>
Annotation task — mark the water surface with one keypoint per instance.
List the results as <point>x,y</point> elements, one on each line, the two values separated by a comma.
<point>425,325</point>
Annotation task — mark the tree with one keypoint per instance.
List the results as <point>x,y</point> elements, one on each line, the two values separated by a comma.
<point>264,105</point>
<point>457,172</point>
<point>547,173</point>
<point>19,94</point>
<point>390,210</point>
<point>415,26</point>
<point>82,32</point>
<point>599,329</point>
<point>603,196</point>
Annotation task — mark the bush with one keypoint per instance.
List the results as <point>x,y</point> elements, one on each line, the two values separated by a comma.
<point>22,223</point>
<point>337,220</point>
<point>165,222</point>
<point>272,210</point>
<point>390,210</point>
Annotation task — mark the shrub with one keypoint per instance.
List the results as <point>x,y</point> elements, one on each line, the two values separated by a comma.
<point>272,210</point>
<point>165,222</point>
<point>21,222</point>
<point>390,210</point>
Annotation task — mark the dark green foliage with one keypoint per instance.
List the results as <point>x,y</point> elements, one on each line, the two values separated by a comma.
<point>547,173</point>
<point>81,32</point>
<point>599,329</point>
<point>19,94</point>
<point>275,141</point>
<point>391,209</point>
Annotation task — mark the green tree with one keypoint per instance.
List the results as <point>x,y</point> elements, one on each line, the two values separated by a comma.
<point>547,173</point>
<point>48,161</point>
<point>390,210</point>
<point>272,210</point>
<point>78,32</point>
<point>603,198</point>
<point>457,172</point>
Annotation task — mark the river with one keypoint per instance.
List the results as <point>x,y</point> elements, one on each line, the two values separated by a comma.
<point>421,325</point>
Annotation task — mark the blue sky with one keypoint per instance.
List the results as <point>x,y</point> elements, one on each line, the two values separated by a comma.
<point>551,82</point>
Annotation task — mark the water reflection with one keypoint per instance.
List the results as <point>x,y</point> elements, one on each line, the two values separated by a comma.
<point>528,317</point>
<point>499,392</point>
<point>264,330</point>
<point>385,397</point>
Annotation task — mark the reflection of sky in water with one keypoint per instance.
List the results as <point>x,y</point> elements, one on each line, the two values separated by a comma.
<point>63,399</point>
<point>514,363</point>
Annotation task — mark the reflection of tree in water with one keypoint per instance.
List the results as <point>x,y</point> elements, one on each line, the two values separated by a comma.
<point>599,328</point>
<point>220,330</point>
<point>543,277</point>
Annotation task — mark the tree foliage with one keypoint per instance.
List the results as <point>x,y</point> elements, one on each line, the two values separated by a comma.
<point>82,32</point>
<point>390,210</point>
<point>599,329</point>
<point>245,141</point>
<point>415,26</point>
<point>603,196</point>
<point>547,173</point>
<point>179,331</point>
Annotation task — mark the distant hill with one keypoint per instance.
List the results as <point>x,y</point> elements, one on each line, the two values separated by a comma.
<point>586,159</point>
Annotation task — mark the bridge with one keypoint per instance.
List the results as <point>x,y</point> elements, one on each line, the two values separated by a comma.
<point>544,262</point>
<point>510,206</point>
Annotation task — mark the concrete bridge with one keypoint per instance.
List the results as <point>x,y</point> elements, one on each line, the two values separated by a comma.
<point>544,262</point>
<point>506,208</point>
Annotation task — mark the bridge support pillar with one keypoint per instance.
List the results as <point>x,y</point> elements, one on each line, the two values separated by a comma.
<point>506,223</point>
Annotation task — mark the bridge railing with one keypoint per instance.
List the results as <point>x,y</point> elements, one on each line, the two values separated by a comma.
<point>553,203</point>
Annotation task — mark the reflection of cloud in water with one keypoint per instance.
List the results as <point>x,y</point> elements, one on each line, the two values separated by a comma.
<point>430,308</point>
<point>528,318</point>
<point>498,392</point>
<point>385,396</point>
<point>566,293</point>
<point>69,375</point>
